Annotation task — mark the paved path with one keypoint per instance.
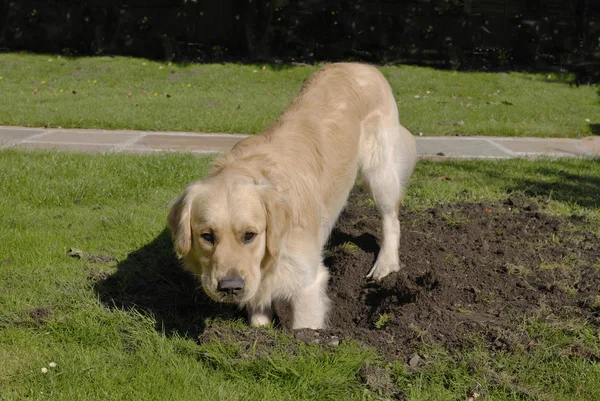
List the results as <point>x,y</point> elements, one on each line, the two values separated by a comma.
<point>80,140</point>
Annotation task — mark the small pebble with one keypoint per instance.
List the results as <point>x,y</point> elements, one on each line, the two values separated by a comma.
<point>414,361</point>
<point>334,342</point>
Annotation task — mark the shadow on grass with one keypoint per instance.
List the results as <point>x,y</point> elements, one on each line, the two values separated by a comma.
<point>579,189</point>
<point>563,180</point>
<point>152,281</point>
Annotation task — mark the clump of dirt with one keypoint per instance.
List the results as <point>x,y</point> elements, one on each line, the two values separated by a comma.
<point>378,379</point>
<point>466,268</point>
<point>79,254</point>
<point>39,315</point>
<point>95,276</point>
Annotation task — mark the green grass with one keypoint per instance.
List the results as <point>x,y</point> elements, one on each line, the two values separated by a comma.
<point>568,186</point>
<point>547,369</point>
<point>116,204</point>
<point>127,93</point>
<point>382,320</point>
<point>351,247</point>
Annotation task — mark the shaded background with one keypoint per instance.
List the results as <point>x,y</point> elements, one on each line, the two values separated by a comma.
<point>465,34</point>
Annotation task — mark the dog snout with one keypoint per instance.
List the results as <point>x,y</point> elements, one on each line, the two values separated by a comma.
<point>231,285</point>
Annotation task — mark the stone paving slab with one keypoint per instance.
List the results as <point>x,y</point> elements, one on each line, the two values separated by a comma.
<point>11,136</point>
<point>591,145</point>
<point>466,147</point>
<point>80,140</point>
<point>71,147</point>
<point>526,146</point>
<point>190,143</point>
<point>85,137</point>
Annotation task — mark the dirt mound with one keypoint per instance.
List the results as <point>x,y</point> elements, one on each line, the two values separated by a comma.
<point>466,268</point>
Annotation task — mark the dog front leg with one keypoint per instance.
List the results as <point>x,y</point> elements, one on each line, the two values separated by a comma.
<point>310,306</point>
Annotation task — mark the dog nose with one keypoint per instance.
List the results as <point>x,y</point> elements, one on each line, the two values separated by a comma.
<point>231,285</point>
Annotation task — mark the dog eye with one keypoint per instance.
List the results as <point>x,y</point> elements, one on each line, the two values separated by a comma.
<point>208,237</point>
<point>249,236</point>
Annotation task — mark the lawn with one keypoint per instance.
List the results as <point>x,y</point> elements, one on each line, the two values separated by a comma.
<point>97,325</point>
<point>128,93</point>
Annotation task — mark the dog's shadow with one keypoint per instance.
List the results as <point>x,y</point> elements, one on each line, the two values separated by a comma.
<point>152,281</point>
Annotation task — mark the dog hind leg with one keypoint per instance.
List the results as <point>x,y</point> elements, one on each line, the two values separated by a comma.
<point>387,163</point>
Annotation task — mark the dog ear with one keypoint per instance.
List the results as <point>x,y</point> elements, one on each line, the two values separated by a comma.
<point>278,223</point>
<point>180,225</point>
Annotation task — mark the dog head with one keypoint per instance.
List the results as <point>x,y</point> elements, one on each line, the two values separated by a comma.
<point>229,229</point>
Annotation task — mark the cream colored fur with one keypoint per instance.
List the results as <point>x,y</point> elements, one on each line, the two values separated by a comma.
<point>288,186</point>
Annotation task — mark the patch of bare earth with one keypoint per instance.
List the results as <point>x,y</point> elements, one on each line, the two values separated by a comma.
<point>467,268</point>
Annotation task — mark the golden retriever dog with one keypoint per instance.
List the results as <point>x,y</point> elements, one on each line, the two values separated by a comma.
<point>254,229</point>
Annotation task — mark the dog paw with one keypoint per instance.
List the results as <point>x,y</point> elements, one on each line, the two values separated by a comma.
<point>258,319</point>
<point>380,270</point>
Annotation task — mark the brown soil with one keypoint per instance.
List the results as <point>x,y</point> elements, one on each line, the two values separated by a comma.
<point>40,315</point>
<point>466,268</point>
